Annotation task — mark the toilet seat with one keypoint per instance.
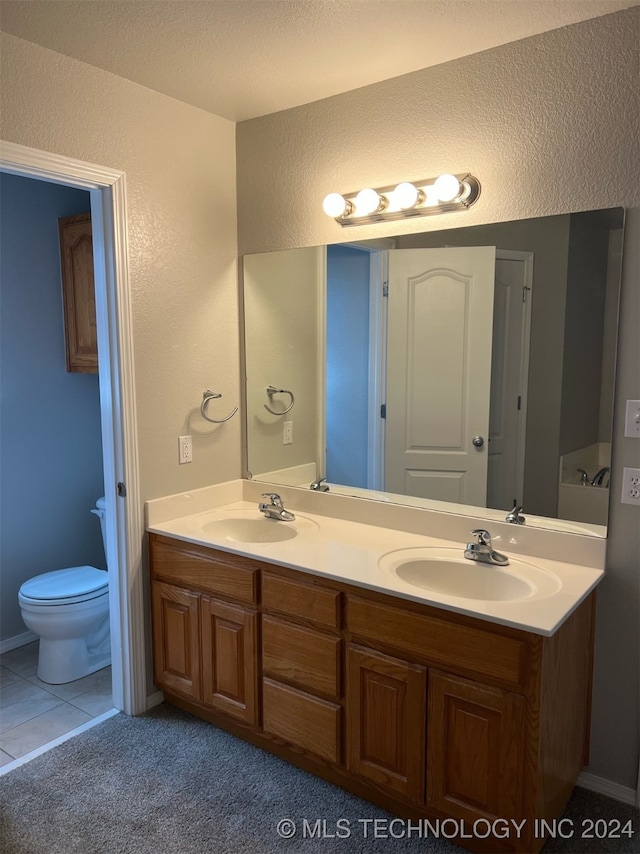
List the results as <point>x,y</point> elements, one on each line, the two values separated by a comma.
<point>65,586</point>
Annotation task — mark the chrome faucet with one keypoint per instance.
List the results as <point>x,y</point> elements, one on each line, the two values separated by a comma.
<point>515,515</point>
<point>483,551</point>
<point>317,485</point>
<point>275,508</point>
<point>599,476</point>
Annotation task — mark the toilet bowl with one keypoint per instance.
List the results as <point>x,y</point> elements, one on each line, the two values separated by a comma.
<point>69,610</point>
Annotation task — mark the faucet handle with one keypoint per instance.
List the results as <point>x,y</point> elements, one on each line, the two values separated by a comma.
<point>484,537</point>
<point>273,497</point>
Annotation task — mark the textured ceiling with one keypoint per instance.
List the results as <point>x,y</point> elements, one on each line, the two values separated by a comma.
<point>245,58</point>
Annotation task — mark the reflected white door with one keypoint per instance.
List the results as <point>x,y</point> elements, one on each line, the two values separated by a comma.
<point>439,372</point>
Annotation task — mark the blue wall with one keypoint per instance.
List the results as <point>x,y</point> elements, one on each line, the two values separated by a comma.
<point>50,437</point>
<point>347,365</point>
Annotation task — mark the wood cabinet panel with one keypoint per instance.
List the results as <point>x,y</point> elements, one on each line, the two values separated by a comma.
<point>312,724</point>
<point>176,639</point>
<point>206,569</point>
<point>78,292</point>
<point>302,656</point>
<point>229,659</point>
<point>475,750</point>
<point>386,721</point>
<point>311,603</point>
<point>440,641</point>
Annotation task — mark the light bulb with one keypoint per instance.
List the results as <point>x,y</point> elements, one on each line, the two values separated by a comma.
<point>334,205</point>
<point>447,188</point>
<point>367,202</point>
<point>406,195</point>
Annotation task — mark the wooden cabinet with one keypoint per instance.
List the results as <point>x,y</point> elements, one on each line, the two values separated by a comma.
<point>205,647</point>
<point>475,749</point>
<point>424,712</point>
<point>386,720</point>
<point>78,293</point>
<point>176,639</point>
<point>230,658</point>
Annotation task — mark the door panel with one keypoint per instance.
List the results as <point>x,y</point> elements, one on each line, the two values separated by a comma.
<point>475,751</point>
<point>386,714</point>
<point>439,372</point>
<point>229,659</point>
<point>176,639</point>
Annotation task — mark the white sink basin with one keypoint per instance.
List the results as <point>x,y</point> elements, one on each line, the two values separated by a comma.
<point>446,571</point>
<point>239,527</point>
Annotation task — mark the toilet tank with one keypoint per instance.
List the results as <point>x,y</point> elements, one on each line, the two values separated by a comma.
<point>100,511</point>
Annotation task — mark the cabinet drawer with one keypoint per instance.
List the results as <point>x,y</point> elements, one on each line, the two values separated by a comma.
<point>302,720</point>
<point>206,569</point>
<point>432,640</point>
<point>306,601</point>
<point>301,656</point>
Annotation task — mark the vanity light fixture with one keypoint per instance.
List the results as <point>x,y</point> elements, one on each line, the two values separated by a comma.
<point>420,198</point>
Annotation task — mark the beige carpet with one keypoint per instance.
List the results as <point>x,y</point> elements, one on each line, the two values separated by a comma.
<point>167,783</point>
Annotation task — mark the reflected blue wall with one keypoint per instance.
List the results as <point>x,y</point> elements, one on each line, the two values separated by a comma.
<point>347,364</point>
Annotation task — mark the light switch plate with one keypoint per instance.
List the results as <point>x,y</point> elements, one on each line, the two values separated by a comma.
<point>632,419</point>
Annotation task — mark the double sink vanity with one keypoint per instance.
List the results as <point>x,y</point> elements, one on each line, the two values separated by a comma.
<point>358,642</point>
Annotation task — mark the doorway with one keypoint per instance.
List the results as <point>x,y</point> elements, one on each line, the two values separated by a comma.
<point>420,321</point>
<point>124,530</point>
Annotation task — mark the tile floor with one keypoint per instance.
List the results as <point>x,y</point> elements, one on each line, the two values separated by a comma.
<point>33,713</point>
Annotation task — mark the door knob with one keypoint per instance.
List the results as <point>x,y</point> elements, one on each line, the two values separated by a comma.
<point>478,441</point>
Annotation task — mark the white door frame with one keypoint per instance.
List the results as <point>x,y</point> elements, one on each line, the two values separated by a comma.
<point>526,258</point>
<point>125,525</point>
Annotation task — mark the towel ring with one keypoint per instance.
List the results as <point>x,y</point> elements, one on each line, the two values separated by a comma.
<point>271,390</point>
<point>206,397</point>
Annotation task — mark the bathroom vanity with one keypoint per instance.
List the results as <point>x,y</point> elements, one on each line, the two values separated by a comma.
<point>312,649</point>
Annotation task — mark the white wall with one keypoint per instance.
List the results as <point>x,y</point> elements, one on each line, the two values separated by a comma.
<point>549,125</point>
<point>180,172</point>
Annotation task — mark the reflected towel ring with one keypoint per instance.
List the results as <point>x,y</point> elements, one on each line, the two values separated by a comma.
<point>271,390</point>
<point>206,397</point>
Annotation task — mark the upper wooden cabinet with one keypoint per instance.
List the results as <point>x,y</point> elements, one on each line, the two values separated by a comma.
<point>78,292</point>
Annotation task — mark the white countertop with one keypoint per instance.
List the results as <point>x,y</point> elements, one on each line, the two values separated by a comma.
<point>350,551</point>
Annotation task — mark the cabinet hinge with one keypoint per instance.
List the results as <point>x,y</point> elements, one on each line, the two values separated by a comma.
<point>385,289</point>
<point>383,410</point>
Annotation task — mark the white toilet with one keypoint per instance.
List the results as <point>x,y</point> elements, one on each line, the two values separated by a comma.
<point>69,610</point>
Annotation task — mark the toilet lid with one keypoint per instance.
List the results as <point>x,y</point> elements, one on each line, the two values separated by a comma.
<point>63,583</point>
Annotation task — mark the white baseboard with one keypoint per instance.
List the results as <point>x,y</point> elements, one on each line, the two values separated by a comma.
<point>154,700</point>
<point>607,787</point>
<point>17,641</point>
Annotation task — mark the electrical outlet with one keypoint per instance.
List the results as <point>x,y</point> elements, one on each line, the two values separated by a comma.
<point>287,433</point>
<point>632,419</point>
<point>185,450</point>
<point>631,486</point>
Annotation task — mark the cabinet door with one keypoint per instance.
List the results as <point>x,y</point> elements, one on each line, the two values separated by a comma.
<point>230,659</point>
<point>475,749</point>
<point>176,639</point>
<point>386,721</point>
<point>76,256</point>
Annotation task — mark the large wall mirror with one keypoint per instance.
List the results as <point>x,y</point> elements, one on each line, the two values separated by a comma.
<point>465,370</point>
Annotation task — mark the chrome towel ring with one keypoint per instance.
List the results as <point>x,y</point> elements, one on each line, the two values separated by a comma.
<point>271,390</point>
<point>206,397</point>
